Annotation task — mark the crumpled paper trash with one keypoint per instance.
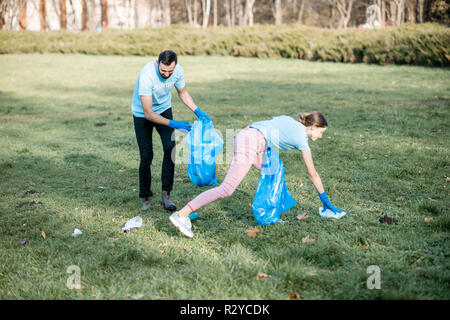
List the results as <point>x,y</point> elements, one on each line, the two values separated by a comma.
<point>76,232</point>
<point>131,224</point>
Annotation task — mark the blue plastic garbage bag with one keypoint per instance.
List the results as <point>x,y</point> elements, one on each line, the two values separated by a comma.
<point>271,197</point>
<point>204,144</point>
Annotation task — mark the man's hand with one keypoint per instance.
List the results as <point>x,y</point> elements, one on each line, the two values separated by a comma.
<point>199,113</point>
<point>182,125</point>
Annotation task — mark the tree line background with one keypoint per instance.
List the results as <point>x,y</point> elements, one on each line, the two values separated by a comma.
<point>132,14</point>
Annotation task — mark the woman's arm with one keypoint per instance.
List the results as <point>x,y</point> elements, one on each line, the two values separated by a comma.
<point>313,175</point>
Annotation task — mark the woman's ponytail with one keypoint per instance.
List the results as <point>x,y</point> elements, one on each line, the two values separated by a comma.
<point>313,118</point>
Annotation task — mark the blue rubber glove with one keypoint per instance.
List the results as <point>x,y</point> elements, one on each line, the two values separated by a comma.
<point>199,113</point>
<point>327,204</point>
<point>183,125</point>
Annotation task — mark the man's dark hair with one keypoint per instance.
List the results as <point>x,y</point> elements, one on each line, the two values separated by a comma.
<point>167,57</point>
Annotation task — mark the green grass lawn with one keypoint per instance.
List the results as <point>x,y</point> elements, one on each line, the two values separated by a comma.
<point>386,152</point>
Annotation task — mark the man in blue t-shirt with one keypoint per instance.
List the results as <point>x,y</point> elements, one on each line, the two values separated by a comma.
<point>151,108</point>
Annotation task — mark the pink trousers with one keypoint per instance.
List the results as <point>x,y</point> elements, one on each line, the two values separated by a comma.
<point>249,147</point>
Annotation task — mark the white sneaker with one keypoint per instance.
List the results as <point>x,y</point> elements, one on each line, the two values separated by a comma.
<point>330,214</point>
<point>183,224</point>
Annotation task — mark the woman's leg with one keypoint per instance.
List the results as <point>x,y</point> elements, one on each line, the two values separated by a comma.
<point>245,155</point>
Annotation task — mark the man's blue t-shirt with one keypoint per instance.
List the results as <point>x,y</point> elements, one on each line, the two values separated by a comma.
<point>283,133</point>
<point>150,83</point>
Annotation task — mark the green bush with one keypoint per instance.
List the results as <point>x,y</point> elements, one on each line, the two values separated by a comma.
<point>421,44</point>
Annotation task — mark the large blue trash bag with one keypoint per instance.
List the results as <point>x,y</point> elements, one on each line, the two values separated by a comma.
<point>203,144</point>
<point>271,197</point>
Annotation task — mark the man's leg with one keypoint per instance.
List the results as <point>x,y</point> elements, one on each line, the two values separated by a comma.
<point>143,129</point>
<point>168,165</point>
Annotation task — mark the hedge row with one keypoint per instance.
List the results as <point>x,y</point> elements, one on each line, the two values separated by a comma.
<point>424,44</point>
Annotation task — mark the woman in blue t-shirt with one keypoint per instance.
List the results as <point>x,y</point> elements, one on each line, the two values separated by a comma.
<point>284,133</point>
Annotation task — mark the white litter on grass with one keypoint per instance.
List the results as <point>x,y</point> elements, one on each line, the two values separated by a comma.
<point>330,214</point>
<point>131,224</point>
<point>76,232</point>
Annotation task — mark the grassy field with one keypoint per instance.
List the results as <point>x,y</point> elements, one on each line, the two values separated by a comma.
<point>386,152</point>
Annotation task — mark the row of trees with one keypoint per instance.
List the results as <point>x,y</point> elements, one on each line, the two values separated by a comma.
<point>204,13</point>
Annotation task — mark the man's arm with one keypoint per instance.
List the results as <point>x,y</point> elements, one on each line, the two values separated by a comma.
<point>186,98</point>
<point>147,103</point>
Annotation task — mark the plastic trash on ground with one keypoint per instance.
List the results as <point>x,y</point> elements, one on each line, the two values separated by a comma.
<point>76,232</point>
<point>133,223</point>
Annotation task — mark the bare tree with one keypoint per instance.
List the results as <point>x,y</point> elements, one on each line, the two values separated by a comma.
<point>84,15</point>
<point>300,9</point>
<point>206,8</point>
<point>249,12</point>
<point>23,16</point>
<point>420,9</point>
<point>192,11</point>
<point>43,15</point>
<point>215,13</point>
<point>165,5</point>
<point>277,11</point>
<point>63,14</point>
<point>104,18</point>
<point>344,7</point>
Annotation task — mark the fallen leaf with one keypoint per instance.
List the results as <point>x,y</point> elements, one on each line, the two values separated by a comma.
<point>307,239</point>
<point>419,260</point>
<point>251,232</point>
<point>261,276</point>
<point>447,179</point>
<point>293,295</point>
<point>300,181</point>
<point>399,198</point>
<point>356,262</point>
<point>302,216</point>
<point>8,207</point>
<point>43,234</point>
<point>428,219</point>
<point>365,247</point>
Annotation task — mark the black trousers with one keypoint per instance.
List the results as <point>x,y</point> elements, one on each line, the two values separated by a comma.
<point>144,131</point>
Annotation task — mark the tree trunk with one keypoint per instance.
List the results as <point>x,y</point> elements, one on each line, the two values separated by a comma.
<point>195,13</point>
<point>420,17</point>
<point>400,4</point>
<point>187,3</point>
<point>241,14</point>
<point>215,13</point>
<point>249,12</point>
<point>382,6</point>
<point>206,7</point>
<point>63,15</point>
<point>411,11</point>
<point>226,4</point>
<point>165,5</point>
<point>23,16</point>
<point>300,12</point>
<point>233,12</point>
<point>84,13</point>
<point>277,12</point>
<point>104,5</point>
<point>43,15</point>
